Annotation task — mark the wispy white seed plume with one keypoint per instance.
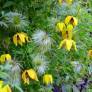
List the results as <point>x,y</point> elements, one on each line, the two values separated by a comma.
<point>43,40</point>
<point>40,64</point>
<point>77,66</point>
<point>16,20</point>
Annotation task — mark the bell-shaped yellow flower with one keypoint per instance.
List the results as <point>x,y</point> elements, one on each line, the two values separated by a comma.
<point>67,34</point>
<point>69,27</point>
<point>60,26</point>
<point>47,79</point>
<point>90,53</point>
<point>5,57</point>
<point>71,20</point>
<point>68,44</point>
<point>69,1</point>
<point>29,74</point>
<point>4,88</point>
<point>20,38</point>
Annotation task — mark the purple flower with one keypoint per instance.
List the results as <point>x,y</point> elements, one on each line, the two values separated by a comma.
<point>56,89</point>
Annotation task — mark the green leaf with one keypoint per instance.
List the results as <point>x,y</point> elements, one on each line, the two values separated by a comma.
<point>18,88</point>
<point>3,75</point>
<point>8,4</point>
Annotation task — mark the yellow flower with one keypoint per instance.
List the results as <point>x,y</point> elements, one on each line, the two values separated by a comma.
<point>1,83</point>
<point>71,20</point>
<point>69,27</point>
<point>4,88</point>
<point>29,74</point>
<point>20,38</point>
<point>60,26</point>
<point>47,79</point>
<point>60,2</point>
<point>67,34</point>
<point>69,1</point>
<point>68,43</point>
<point>90,53</point>
<point>5,57</point>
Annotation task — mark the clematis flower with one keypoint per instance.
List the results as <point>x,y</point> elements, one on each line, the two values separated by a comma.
<point>60,26</point>
<point>47,79</point>
<point>71,20</point>
<point>90,53</point>
<point>4,88</point>
<point>68,43</point>
<point>29,74</point>
<point>5,57</point>
<point>69,1</point>
<point>67,34</point>
<point>20,38</point>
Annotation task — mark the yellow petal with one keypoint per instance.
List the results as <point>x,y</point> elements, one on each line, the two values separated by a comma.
<point>60,2</point>
<point>67,34</point>
<point>60,26</point>
<point>8,57</point>
<point>1,84</point>
<point>75,23</point>
<point>69,1</point>
<point>25,77</point>
<point>71,20</point>
<point>6,88</point>
<point>47,79</point>
<point>90,53</point>
<point>2,59</point>
<point>74,45</point>
<point>22,37</point>
<point>20,42</point>
<point>26,36</point>
<point>69,27</point>
<point>15,39</point>
<point>64,35</point>
<point>5,57</point>
<point>62,43</point>
<point>32,74</point>
<point>67,19</point>
<point>68,44</point>
<point>51,79</point>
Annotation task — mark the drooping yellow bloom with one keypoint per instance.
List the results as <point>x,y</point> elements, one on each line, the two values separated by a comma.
<point>47,79</point>
<point>90,53</point>
<point>29,74</point>
<point>68,44</point>
<point>5,57</point>
<point>60,26</point>
<point>69,27</point>
<point>69,1</point>
<point>4,88</point>
<point>71,20</point>
<point>67,34</point>
<point>20,38</point>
